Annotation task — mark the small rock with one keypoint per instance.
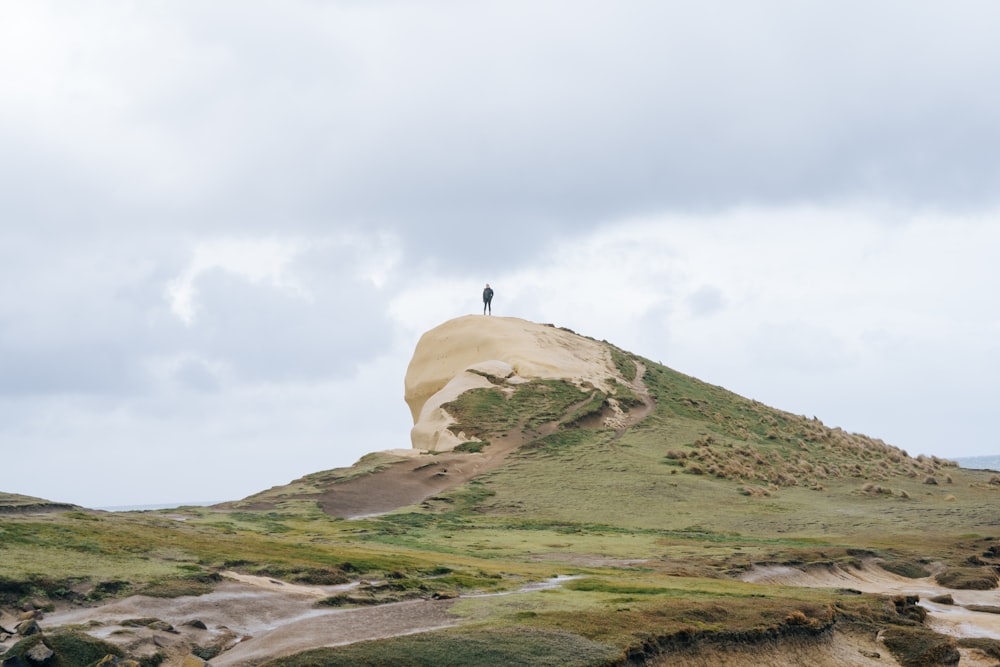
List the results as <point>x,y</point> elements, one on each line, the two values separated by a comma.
<point>193,661</point>
<point>27,628</point>
<point>195,623</point>
<point>28,615</point>
<point>162,626</point>
<point>39,654</point>
<point>874,655</point>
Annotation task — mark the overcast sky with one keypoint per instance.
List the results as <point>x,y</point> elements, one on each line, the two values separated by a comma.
<point>224,225</point>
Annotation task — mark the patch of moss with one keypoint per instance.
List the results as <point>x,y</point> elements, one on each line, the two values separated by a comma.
<point>908,569</point>
<point>471,447</point>
<point>917,646</point>
<point>485,647</point>
<point>70,649</point>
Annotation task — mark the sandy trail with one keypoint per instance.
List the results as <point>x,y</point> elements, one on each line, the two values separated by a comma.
<point>256,618</point>
<point>413,480</point>
<point>335,627</point>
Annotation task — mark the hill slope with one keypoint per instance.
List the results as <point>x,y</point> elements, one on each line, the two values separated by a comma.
<point>689,526</point>
<point>556,426</point>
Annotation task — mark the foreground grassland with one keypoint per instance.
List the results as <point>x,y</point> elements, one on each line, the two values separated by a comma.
<point>652,525</point>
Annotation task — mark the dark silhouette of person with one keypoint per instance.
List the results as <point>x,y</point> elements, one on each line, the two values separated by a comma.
<point>488,299</point>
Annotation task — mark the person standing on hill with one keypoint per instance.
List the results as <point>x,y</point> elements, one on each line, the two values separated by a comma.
<point>488,299</point>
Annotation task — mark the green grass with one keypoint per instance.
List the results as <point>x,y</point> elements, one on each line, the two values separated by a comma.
<point>504,647</point>
<point>624,362</point>
<point>653,543</point>
<point>488,412</point>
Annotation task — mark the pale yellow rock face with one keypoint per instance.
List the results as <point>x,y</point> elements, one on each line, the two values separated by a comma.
<point>508,347</point>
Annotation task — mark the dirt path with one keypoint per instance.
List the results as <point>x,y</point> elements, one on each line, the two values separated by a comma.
<point>337,627</point>
<point>253,619</point>
<point>413,480</point>
<point>250,619</point>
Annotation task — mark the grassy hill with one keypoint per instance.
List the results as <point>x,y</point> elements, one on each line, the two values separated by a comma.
<point>652,518</point>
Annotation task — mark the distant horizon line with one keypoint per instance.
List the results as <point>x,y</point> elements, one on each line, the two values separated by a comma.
<point>157,506</point>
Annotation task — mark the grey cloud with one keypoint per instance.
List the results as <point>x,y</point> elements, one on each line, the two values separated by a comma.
<point>263,332</point>
<point>198,375</point>
<point>706,300</point>
<point>90,318</point>
<point>799,347</point>
<point>542,120</point>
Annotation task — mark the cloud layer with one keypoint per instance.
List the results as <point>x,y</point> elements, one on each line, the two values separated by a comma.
<point>225,225</point>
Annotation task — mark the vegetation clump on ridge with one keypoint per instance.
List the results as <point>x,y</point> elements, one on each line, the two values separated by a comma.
<point>653,522</point>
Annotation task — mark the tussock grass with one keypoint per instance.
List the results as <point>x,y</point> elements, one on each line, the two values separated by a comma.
<point>968,578</point>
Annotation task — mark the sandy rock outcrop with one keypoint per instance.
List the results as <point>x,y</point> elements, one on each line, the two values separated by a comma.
<point>467,352</point>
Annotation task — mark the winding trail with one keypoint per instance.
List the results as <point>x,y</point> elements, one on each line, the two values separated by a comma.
<point>255,619</point>
<point>414,479</point>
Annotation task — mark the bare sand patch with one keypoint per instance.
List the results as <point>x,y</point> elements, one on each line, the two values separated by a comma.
<point>252,618</point>
<point>839,649</point>
<point>954,620</point>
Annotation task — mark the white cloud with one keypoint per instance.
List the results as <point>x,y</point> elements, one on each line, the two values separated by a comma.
<point>255,260</point>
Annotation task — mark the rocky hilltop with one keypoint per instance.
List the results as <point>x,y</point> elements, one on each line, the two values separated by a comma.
<point>476,352</point>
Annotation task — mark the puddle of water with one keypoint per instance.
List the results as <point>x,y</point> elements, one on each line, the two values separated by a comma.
<point>548,584</point>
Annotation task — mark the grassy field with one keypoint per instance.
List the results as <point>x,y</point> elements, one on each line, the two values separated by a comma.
<point>652,525</point>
